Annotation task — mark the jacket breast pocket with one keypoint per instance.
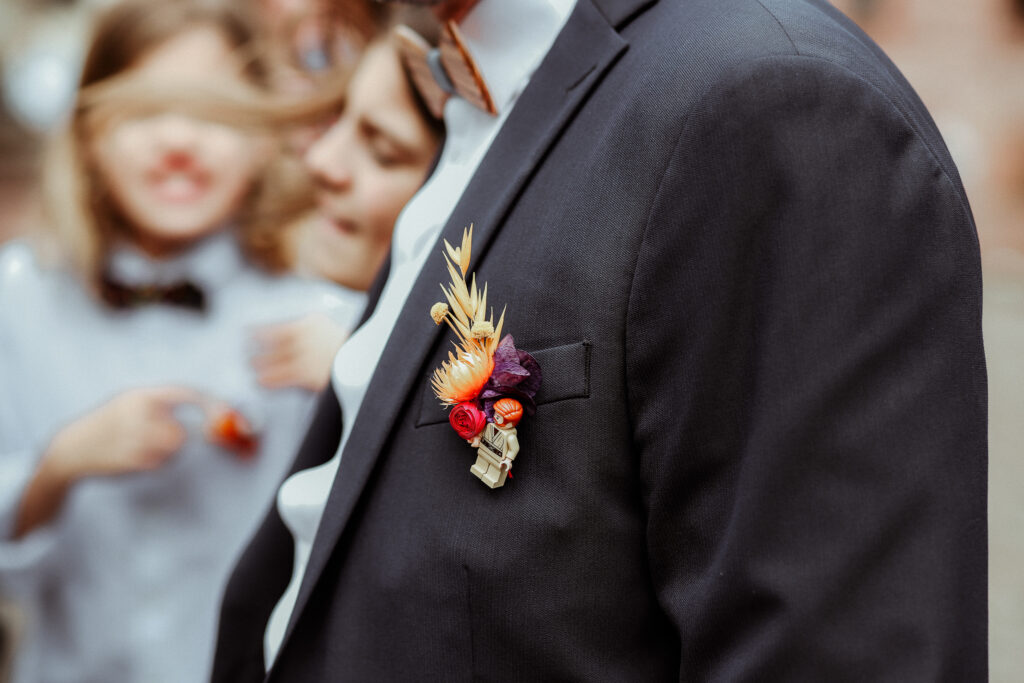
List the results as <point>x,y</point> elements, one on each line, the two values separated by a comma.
<point>565,374</point>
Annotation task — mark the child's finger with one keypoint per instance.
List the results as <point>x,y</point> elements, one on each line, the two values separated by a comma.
<point>277,375</point>
<point>170,397</point>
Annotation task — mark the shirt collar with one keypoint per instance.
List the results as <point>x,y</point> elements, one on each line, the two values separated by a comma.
<point>509,39</point>
<point>209,264</point>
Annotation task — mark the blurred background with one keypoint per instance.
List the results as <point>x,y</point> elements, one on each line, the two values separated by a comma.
<point>966,60</point>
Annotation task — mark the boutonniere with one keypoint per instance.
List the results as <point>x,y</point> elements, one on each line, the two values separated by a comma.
<point>487,382</point>
<point>231,429</point>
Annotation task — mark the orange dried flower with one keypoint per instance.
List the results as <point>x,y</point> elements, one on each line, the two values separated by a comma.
<point>461,378</point>
<point>464,374</point>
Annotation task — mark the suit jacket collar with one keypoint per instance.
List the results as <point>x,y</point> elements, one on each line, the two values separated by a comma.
<point>584,50</point>
<point>619,12</point>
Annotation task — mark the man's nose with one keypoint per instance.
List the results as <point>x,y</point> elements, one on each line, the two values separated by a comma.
<point>327,158</point>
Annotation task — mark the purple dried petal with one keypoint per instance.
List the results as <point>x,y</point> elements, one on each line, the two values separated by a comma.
<point>516,375</point>
<point>506,350</point>
<point>508,378</point>
<point>530,385</point>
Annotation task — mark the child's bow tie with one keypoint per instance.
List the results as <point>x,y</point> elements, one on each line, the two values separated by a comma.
<point>121,296</point>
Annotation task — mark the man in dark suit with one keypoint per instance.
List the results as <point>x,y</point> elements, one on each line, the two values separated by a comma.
<point>734,241</point>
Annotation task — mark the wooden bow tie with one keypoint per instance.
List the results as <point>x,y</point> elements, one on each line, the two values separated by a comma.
<point>442,71</point>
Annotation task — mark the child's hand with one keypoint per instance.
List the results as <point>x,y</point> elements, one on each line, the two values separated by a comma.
<point>299,353</point>
<point>135,431</point>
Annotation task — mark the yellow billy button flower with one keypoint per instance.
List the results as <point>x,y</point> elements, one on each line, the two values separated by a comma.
<point>438,312</point>
<point>482,329</point>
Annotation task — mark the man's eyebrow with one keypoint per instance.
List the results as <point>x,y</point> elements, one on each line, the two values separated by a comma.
<point>393,134</point>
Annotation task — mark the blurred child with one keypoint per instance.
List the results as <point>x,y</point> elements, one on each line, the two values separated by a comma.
<point>137,451</point>
<point>365,167</point>
<point>310,39</point>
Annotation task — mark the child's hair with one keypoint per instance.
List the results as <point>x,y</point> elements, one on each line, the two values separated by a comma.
<point>81,211</point>
<point>264,241</point>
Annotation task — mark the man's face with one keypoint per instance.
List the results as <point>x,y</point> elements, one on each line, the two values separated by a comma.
<point>366,167</point>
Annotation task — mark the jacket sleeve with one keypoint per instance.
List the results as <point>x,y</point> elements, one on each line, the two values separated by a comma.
<point>265,568</point>
<point>807,388</point>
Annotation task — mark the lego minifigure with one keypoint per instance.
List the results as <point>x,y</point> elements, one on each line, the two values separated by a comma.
<point>497,445</point>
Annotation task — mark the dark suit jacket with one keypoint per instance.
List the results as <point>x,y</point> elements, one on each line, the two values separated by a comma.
<point>732,237</point>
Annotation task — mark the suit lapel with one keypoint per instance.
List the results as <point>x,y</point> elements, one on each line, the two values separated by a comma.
<point>619,12</point>
<point>582,53</point>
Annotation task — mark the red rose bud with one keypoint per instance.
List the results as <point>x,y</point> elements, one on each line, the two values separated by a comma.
<point>467,420</point>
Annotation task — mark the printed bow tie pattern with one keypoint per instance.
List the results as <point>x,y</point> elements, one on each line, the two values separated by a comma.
<point>488,383</point>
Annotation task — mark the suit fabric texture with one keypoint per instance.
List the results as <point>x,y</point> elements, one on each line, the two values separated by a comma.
<point>734,240</point>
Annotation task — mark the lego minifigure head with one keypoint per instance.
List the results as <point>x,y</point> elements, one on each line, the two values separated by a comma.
<point>507,413</point>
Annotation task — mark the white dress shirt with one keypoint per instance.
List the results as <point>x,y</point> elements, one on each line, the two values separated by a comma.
<point>507,40</point>
<point>124,586</point>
